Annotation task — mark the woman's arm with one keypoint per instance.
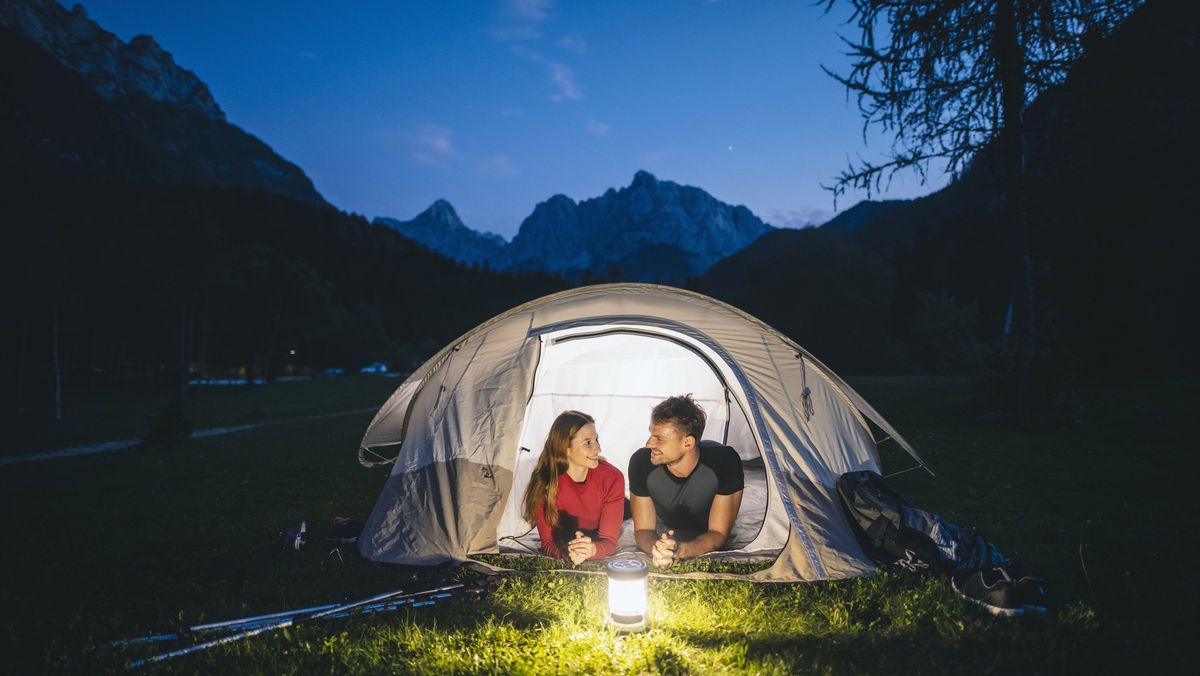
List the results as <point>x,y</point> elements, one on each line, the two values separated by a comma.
<point>549,546</point>
<point>612,511</point>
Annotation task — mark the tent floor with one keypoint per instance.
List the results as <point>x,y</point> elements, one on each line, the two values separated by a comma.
<point>749,521</point>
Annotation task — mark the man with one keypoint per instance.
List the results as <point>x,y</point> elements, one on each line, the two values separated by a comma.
<point>693,489</point>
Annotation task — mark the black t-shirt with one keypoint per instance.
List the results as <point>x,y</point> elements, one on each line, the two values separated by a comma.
<point>683,503</point>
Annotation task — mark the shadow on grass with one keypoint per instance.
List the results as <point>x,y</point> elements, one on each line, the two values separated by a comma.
<point>1031,646</point>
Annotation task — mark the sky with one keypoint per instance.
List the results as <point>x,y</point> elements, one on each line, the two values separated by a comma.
<point>498,105</point>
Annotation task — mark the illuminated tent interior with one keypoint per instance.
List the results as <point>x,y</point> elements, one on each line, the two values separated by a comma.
<point>617,374</point>
<point>467,427</point>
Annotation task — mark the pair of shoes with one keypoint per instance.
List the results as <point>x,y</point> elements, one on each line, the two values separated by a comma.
<point>1004,591</point>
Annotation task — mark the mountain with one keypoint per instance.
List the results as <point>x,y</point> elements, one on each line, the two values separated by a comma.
<point>440,229</point>
<point>650,231</point>
<point>79,100</point>
<point>1110,173</point>
<point>114,68</point>
<point>623,228</point>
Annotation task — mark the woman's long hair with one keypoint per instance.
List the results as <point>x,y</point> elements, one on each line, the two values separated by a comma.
<point>543,485</point>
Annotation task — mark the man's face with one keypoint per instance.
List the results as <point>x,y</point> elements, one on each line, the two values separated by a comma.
<point>667,445</point>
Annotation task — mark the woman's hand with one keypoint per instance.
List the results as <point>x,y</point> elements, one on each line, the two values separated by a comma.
<point>581,548</point>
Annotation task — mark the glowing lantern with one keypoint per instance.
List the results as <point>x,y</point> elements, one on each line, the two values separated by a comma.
<point>627,594</point>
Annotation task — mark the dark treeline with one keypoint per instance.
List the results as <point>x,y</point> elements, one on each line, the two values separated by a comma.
<point>141,282</point>
<point>921,286</point>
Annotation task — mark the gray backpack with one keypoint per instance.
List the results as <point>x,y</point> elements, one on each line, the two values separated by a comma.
<point>895,534</point>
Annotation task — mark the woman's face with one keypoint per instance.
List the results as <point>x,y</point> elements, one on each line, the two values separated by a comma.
<point>584,450</point>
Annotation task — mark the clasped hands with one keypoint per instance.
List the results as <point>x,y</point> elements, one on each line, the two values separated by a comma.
<point>666,550</point>
<point>581,548</point>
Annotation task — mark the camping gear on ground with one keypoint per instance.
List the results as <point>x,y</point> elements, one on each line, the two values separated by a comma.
<point>263,623</point>
<point>1005,590</point>
<point>294,539</point>
<point>897,535</point>
<point>456,432</point>
<point>627,594</point>
<point>225,625</point>
<point>229,626</point>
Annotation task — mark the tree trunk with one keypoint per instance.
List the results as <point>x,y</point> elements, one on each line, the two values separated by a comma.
<point>20,365</point>
<point>1011,74</point>
<point>202,329</point>
<point>57,366</point>
<point>93,369</point>
<point>270,351</point>
<point>182,365</point>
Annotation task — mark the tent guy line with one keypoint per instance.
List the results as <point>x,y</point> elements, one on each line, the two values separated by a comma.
<point>90,449</point>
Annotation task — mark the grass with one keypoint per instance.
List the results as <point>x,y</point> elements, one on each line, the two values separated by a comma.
<point>92,416</point>
<point>117,545</point>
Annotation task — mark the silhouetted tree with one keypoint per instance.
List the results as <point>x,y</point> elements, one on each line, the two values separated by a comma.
<point>948,78</point>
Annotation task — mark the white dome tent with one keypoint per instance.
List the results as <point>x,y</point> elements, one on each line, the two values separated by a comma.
<point>466,427</point>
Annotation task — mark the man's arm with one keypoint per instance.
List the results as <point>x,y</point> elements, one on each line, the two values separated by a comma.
<point>644,521</point>
<point>720,522</point>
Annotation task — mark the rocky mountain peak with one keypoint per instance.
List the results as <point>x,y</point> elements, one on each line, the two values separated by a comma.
<point>440,229</point>
<point>650,230</point>
<point>113,67</point>
<point>442,212</point>
<point>644,179</point>
<point>558,202</point>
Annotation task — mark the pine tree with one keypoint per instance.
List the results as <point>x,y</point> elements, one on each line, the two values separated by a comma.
<point>949,78</point>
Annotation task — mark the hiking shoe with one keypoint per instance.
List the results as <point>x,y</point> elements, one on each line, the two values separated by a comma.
<point>294,538</point>
<point>1003,590</point>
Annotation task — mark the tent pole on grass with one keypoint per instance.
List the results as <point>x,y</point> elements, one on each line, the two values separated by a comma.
<point>379,603</point>
<point>462,426</point>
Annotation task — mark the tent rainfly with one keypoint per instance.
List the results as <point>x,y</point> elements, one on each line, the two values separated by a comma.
<point>466,427</point>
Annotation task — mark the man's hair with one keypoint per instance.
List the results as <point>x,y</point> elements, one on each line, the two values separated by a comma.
<point>683,412</point>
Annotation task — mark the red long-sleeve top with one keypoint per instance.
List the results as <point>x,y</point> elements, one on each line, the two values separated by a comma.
<point>595,506</point>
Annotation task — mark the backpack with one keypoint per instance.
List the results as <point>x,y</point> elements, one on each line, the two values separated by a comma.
<point>897,535</point>
<point>876,514</point>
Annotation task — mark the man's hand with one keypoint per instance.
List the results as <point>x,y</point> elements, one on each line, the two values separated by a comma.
<point>581,548</point>
<point>720,521</point>
<point>663,554</point>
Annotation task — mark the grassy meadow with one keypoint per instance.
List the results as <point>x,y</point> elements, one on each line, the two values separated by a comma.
<point>121,544</point>
<point>108,414</point>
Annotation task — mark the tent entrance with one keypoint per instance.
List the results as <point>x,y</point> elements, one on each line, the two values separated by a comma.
<point>617,373</point>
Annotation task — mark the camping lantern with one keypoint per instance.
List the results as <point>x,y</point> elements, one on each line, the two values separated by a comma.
<point>627,594</point>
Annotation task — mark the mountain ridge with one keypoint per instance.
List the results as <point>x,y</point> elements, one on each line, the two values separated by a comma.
<point>114,68</point>
<point>650,230</point>
<point>80,101</point>
<point>439,228</point>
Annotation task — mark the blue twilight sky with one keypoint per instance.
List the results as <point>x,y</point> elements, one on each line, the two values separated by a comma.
<point>497,105</point>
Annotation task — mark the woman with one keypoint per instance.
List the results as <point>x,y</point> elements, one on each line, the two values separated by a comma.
<point>576,499</point>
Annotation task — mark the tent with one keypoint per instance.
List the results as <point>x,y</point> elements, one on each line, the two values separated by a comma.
<point>466,427</point>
